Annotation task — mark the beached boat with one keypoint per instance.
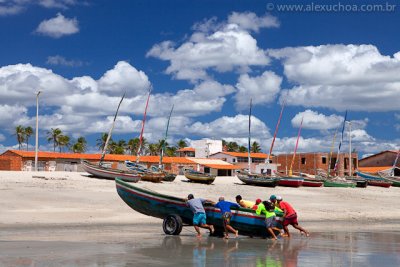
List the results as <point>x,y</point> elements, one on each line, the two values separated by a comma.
<point>310,182</point>
<point>257,179</point>
<point>144,173</point>
<point>380,183</point>
<point>362,183</point>
<point>374,180</point>
<point>109,173</point>
<point>199,177</point>
<point>175,213</point>
<point>339,183</point>
<point>290,181</point>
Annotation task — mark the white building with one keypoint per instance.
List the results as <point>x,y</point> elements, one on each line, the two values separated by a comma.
<point>205,147</point>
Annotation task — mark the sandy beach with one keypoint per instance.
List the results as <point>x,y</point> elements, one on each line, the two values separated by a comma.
<point>53,199</point>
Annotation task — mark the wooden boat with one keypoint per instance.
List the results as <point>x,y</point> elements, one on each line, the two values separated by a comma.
<point>362,183</point>
<point>199,177</point>
<point>290,181</point>
<point>310,182</point>
<point>374,180</point>
<point>144,173</point>
<point>339,183</point>
<point>394,180</point>
<point>257,179</point>
<point>168,177</point>
<point>109,173</point>
<point>176,214</point>
<point>381,183</point>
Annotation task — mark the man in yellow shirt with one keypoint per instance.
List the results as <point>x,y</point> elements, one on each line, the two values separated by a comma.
<point>244,203</point>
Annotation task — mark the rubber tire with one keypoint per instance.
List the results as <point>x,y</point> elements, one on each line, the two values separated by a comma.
<point>172,225</point>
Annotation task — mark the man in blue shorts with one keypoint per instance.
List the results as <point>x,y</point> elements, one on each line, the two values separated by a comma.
<point>199,217</point>
<point>225,207</point>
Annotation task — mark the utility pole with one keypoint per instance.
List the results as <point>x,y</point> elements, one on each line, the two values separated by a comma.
<point>37,131</point>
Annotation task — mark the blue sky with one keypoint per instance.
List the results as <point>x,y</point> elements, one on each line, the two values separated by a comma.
<point>208,58</point>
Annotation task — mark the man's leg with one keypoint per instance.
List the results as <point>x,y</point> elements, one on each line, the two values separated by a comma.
<point>197,228</point>
<point>271,231</point>
<point>301,229</point>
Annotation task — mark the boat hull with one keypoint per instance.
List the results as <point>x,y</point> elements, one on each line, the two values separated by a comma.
<point>169,177</point>
<point>290,181</point>
<point>199,178</point>
<point>328,183</point>
<point>313,183</point>
<point>109,173</point>
<point>257,180</point>
<point>379,183</point>
<point>152,177</point>
<point>160,206</point>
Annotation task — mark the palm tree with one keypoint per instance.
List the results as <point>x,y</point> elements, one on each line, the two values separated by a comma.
<point>182,143</point>
<point>255,147</point>
<point>79,146</point>
<point>232,146</point>
<point>53,136</point>
<point>118,147</point>
<point>243,149</point>
<point>101,142</point>
<point>20,133</point>
<point>153,149</point>
<point>160,145</point>
<point>28,133</point>
<point>63,141</point>
<point>133,145</point>
<point>170,151</point>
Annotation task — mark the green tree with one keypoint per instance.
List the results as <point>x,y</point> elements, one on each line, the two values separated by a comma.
<point>232,147</point>
<point>53,136</point>
<point>255,147</point>
<point>153,149</point>
<point>63,141</point>
<point>182,143</point>
<point>79,146</point>
<point>170,151</point>
<point>118,147</point>
<point>101,142</point>
<point>28,133</point>
<point>133,145</point>
<point>20,134</point>
<point>242,149</point>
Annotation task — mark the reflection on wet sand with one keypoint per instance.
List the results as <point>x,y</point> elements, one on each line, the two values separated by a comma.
<point>325,249</point>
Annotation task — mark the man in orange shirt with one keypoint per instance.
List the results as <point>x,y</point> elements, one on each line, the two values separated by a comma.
<point>289,216</point>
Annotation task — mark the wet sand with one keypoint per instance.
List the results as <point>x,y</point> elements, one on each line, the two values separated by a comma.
<point>71,219</point>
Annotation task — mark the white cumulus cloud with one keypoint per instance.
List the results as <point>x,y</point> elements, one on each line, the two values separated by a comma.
<point>58,26</point>
<point>354,77</point>
<point>317,121</point>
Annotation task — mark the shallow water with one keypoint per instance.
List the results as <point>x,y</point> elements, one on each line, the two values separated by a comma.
<point>321,249</point>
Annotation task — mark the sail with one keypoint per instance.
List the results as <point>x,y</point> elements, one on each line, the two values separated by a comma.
<point>165,139</point>
<point>331,151</point>
<point>276,131</point>
<point>295,149</point>
<point>248,145</point>
<point>340,143</point>
<point>103,153</point>
<point>141,132</point>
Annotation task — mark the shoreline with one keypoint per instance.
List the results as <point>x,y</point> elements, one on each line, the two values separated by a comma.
<point>71,204</point>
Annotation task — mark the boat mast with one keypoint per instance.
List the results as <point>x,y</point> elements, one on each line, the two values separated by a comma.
<point>350,159</point>
<point>103,153</point>
<point>248,145</point>
<point>331,152</point>
<point>295,149</point>
<point>161,166</point>
<point>141,132</point>
<point>340,143</point>
<point>276,131</point>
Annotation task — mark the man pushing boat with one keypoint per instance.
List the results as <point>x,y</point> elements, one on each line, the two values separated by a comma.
<point>199,217</point>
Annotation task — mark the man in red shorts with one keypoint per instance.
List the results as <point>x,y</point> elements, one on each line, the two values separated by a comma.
<point>289,217</point>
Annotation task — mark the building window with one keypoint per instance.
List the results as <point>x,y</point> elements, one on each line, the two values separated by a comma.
<point>323,160</point>
<point>303,161</point>
<point>258,160</point>
<point>206,170</point>
<point>234,160</point>
<point>242,159</point>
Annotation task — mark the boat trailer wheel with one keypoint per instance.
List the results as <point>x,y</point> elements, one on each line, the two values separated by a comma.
<point>172,225</point>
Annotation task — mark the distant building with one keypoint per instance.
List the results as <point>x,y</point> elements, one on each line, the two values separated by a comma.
<point>258,164</point>
<point>378,162</point>
<point>186,152</point>
<point>312,162</point>
<point>206,147</point>
<point>19,160</point>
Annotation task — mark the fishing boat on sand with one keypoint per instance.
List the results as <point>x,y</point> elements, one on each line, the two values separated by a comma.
<point>109,173</point>
<point>144,173</point>
<point>175,213</point>
<point>199,177</point>
<point>257,179</point>
<point>374,180</point>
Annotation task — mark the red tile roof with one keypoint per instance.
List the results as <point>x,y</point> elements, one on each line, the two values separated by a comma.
<point>186,149</point>
<point>245,154</point>
<point>373,169</point>
<point>111,157</point>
